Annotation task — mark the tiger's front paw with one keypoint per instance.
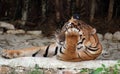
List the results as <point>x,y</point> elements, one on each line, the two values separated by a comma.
<point>9,54</point>
<point>72,32</point>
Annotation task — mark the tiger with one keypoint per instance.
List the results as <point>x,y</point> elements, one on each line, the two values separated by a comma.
<point>76,42</point>
<point>88,46</point>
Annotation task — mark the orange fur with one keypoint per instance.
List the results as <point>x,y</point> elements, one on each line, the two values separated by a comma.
<point>70,53</point>
<point>91,39</point>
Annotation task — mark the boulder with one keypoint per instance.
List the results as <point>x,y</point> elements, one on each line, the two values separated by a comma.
<point>34,32</point>
<point>19,31</point>
<point>116,36</point>
<point>100,36</point>
<point>6,25</point>
<point>108,36</point>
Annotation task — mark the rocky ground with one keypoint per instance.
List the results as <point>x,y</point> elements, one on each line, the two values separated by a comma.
<point>110,43</point>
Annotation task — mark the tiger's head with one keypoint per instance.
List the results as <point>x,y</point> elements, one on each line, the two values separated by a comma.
<point>60,34</point>
<point>88,35</point>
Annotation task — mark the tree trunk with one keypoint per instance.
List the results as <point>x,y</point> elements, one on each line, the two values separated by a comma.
<point>68,12</point>
<point>18,10</point>
<point>24,12</point>
<point>92,12</point>
<point>72,6</point>
<point>57,9</point>
<point>77,3</point>
<point>43,8</point>
<point>110,10</point>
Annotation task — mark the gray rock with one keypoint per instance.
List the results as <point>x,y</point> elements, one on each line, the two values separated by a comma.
<point>6,25</point>
<point>100,36</point>
<point>34,32</point>
<point>108,36</point>
<point>19,31</point>
<point>1,30</point>
<point>4,69</point>
<point>116,36</point>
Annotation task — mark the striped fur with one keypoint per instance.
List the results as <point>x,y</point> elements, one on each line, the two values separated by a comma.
<point>88,46</point>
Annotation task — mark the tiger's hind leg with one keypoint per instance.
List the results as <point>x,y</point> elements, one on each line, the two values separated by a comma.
<point>9,54</point>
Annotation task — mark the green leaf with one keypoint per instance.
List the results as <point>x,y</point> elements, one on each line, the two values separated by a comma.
<point>103,66</point>
<point>98,70</point>
<point>84,70</point>
<point>36,72</point>
<point>118,61</point>
<point>115,69</point>
<point>36,66</point>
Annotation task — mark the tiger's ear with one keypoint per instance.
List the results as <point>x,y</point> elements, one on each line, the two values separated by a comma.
<point>93,31</point>
<point>72,18</point>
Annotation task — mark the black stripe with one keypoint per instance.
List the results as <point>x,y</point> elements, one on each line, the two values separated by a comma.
<point>93,54</point>
<point>56,49</point>
<point>5,57</point>
<point>46,52</point>
<point>61,51</point>
<point>95,46</point>
<point>79,48</point>
<point>87,53</point>
<point>33,55</point>
<point>92,49</point>
<point>81,41</point>
<point>79,56</point>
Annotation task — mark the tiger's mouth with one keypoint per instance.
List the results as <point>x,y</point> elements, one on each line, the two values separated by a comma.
<point>71,25</point>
